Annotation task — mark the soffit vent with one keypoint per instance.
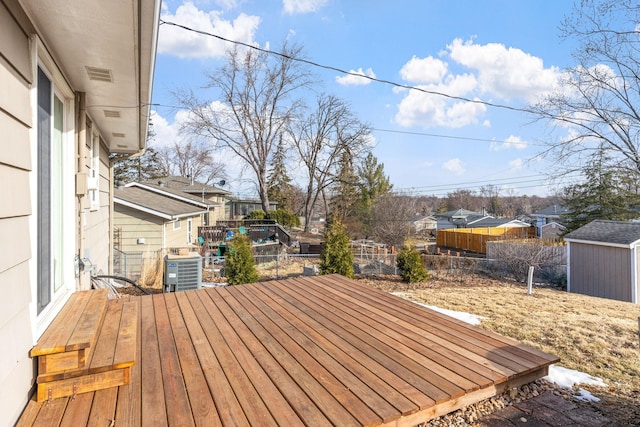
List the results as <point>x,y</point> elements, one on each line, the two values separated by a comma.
<point>118,135</point>
<point>99,74</point>
<point>122,146</point>
<point>112,114</point>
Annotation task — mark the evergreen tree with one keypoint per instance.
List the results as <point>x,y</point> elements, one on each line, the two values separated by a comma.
<point>346,194</point>
<point>373,184</point>
<point>138,168</point>
<point>410,265</point>
<point>280,188</point>
<point>605,194</point>
<point>336,257</point>
<point>239,263</point>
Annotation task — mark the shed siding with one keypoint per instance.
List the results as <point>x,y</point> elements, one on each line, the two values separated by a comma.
<point>601,271</point>
<point>16,368</point>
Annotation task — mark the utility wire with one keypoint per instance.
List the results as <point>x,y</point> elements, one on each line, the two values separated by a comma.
<point>341,71</point>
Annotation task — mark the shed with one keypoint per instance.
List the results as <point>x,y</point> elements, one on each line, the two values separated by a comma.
<point>603,260</point>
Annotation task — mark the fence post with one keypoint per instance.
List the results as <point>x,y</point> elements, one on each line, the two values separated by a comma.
<point>530,280</point>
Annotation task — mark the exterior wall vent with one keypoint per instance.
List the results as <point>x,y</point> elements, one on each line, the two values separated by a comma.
<point>112,114</point>
<point>118,135</point>
<point>99,74</point>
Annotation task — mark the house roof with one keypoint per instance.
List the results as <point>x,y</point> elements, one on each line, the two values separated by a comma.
<point>489,221</point>
<point>175,193</point>
<point>186,185</point>
<point>458,213</point>
<point>552,211</point>
<point>612,232</point>
<point>107,52</point>
<point>154,203</point>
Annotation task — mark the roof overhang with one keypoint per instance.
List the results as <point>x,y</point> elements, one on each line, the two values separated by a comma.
<point>106,50</point>
<point>154,212</point>
<point>610,244</point>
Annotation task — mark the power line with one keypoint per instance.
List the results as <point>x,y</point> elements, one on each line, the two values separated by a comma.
<point>341,71</point>
<point>433,135</point>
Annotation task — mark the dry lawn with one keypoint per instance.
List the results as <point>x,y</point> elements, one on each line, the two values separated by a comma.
<point>593,335</point>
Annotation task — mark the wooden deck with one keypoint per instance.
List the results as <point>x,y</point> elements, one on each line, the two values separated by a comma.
<point>306,351</point>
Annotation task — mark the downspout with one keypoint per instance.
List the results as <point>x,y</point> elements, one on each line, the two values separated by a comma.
<point>81,179</point>
<point>568,267</point>
<point>634,274</point>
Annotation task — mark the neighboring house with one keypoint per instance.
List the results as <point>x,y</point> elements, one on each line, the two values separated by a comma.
<point>216,199</point>
<point>491,222</point>
<point>239,208</point>
<point>460,218</point>
<point>551,230</point>
<point>549,215</point>
<point>145,220</point>
<point>424,224</point>
<point>75,85</point>
<point>604,260</point>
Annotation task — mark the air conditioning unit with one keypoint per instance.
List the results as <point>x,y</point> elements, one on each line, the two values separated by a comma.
<point>182,272</point>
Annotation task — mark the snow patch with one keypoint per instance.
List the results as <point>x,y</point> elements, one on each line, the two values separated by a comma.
<point>472,319</point>
<point>567,378</point>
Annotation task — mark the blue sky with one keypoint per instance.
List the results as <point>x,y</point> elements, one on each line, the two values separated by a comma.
<point>504,52</point>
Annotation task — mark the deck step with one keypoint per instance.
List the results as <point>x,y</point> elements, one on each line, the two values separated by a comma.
<point>104,363</point>
<point>67,342</point>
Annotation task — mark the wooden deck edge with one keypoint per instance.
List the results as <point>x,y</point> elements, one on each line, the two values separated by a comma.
<point>466,400</point>
<point>84,384</point>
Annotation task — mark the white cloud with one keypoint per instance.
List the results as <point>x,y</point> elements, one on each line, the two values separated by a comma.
<point>428,110</point>
<point>187,44</point>
<point>424,70</point>
<point>292,7</point>
<point>511,142</point>
<point>492,71</point>
<point>508,73</point>
<point>351,79</point>
<point>454,165</point>
<point>516,164</point>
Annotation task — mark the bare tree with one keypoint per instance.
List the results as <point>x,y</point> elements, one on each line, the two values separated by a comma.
<point>519,255</point>
<point>258,99</point>
<point>598,98</point>
<point>330,132</point>
<point>191,159</point>
<point>391,218</point>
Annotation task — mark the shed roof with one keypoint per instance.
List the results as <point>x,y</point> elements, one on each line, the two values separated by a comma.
<point>154,203</point>
<point>613,232</point>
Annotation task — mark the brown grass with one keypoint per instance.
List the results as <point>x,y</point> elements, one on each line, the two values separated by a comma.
<point>593,335</point>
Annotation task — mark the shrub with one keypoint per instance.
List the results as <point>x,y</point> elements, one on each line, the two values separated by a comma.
<point>256,214</point>
<point>239,263</point>
<point>284,217</point>
<point>336,256</point>
<point>410,265</point>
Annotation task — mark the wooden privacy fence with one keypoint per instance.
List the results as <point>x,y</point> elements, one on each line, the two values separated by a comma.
<point>475,239</point>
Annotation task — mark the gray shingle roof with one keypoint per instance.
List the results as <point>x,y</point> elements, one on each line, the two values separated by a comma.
<point>618,232</point>
<point>552,211</point>
<point>155,202</point>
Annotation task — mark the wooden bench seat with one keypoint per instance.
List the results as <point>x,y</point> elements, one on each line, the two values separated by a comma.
<point>87,357</point>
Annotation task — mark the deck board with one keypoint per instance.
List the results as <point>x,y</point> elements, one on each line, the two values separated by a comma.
<point>303,351</point>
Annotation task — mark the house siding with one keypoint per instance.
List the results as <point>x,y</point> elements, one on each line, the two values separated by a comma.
<point>96,234</point>
<point>600,271</point>
<point>146,226</point>
<point>16,368</point>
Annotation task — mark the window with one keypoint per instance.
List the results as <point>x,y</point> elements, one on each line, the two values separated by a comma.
<point>50,207</point>
<point>176,224</point>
